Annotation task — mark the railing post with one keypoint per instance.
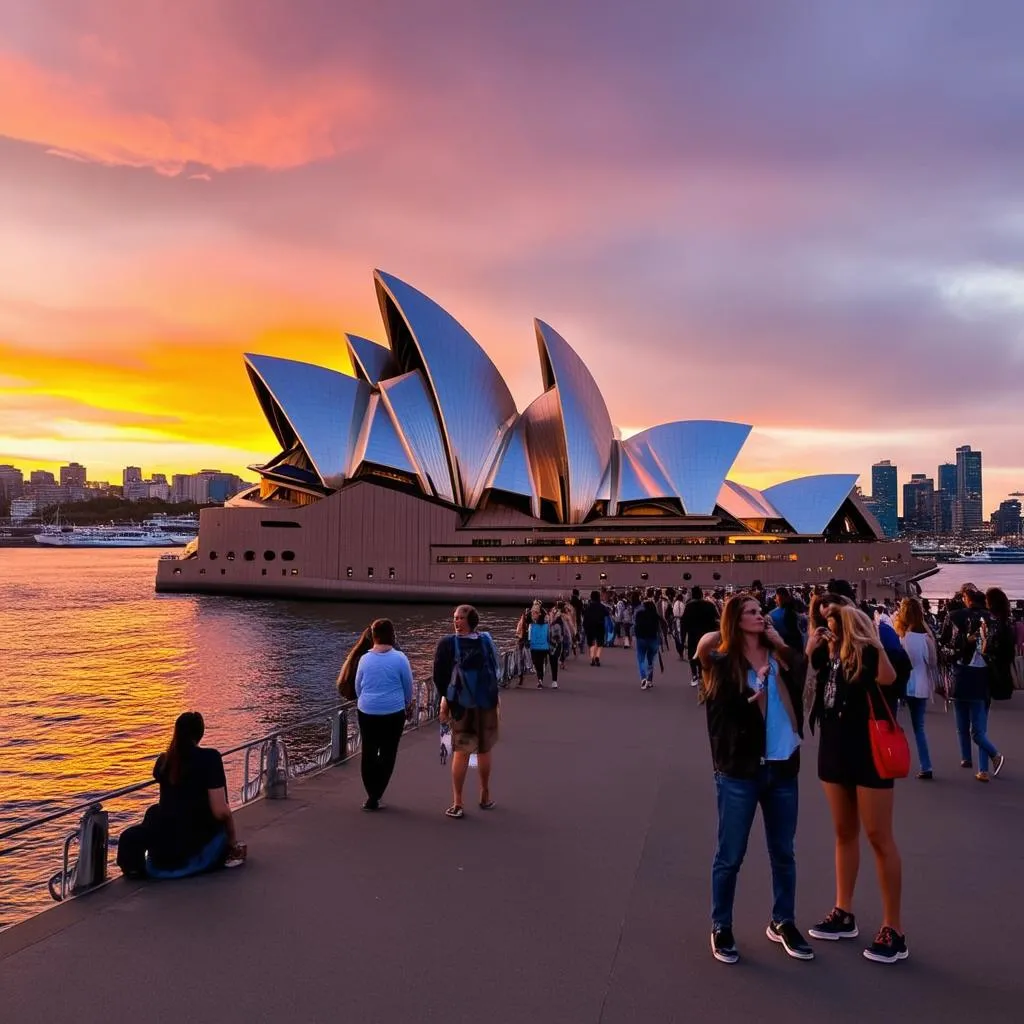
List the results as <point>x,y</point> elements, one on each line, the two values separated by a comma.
<point>339,735</point>
<point>276,781</point>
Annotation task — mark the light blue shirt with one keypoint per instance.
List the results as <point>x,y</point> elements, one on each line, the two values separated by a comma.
<point>781,739</point>
<point>383,682</point>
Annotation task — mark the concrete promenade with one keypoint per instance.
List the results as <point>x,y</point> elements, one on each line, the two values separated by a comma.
<point>583,897</point>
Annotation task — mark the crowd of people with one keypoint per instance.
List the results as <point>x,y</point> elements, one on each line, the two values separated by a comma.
<point>764,665</point>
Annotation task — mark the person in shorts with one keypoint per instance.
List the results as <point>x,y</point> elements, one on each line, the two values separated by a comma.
<point>852,670</point>
<point>471,658</point>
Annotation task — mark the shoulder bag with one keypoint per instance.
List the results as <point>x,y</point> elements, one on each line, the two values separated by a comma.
<point>889,747</point>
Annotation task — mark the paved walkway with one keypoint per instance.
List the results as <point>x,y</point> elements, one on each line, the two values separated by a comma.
<point>582,898</point>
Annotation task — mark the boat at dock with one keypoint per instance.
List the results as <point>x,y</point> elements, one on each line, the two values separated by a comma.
<point>996,554</point>
<point>109,537</point>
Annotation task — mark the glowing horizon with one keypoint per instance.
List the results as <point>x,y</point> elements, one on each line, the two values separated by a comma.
<point>675,194</point>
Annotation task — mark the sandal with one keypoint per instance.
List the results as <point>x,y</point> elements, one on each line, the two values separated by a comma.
<point>486,805</point>
<point>455,811</point>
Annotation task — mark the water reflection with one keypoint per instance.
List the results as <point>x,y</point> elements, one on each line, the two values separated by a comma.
<point>98,666</point>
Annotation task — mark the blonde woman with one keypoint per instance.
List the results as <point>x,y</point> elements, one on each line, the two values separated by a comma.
<point>920,646</point>
<point>851,666</point>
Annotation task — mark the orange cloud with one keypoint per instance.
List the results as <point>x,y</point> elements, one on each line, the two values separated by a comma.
<point>220,117</point>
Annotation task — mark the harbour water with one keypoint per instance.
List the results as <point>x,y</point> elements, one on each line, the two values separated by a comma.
<point>94,668</point>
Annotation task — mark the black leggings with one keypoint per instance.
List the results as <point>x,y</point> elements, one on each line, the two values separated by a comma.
<point>381,735</point>
<point>541,658</point>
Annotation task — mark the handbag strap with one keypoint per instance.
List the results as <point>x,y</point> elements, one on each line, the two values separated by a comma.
<point>885,704</point>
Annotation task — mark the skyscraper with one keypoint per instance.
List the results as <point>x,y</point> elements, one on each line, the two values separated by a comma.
<point>967,514</point>
<point>131,475</point>
<point>946,496</point>
<point>919,504</point>
<point>1006,519</point>
<point>883,496</point>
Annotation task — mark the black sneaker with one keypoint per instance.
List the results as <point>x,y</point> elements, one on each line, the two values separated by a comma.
<point>838,925</point>
<point>792,941</point>
<point>888,947</point>
<point>723,946</point>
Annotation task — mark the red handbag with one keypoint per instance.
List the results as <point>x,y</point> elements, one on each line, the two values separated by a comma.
<point>889,746</point>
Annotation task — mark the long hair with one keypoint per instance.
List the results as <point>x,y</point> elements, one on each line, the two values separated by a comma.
<point>998,603</point>
<point>347,675</point>
<point>732,644</point>
<point>858,632</point>
<point>910,617</point>
<point>188,731</point>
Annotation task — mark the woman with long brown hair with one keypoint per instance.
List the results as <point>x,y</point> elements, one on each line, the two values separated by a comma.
<point>918,642</point>
<point>852,667</point>
<point>753,695</point>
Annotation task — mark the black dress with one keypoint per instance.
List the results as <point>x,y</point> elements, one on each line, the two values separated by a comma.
<point>841,708</point>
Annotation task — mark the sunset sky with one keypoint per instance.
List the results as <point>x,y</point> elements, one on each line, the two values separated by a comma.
<point>808,216</point>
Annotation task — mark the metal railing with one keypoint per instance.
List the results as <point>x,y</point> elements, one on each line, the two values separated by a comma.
<point>267,766</point>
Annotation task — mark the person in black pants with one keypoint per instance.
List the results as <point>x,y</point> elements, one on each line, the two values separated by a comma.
<point>384,691</point>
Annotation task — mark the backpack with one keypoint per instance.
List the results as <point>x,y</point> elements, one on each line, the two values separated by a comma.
<point>555,635</point>
<point>473,687</point>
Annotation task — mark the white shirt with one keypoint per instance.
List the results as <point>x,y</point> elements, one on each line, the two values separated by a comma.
<point>921,649</point>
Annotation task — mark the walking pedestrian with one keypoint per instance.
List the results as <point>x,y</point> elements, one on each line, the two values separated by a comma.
<point>466,668</point>
<point>966,631</point>
<point>920,646</point>
<point>384,691</point>
<point>647,629</point>
<point>700,617</point>
<point>753,695</point>
<point>540,648</point>
<point>594,626</point>
<point>852,668</point>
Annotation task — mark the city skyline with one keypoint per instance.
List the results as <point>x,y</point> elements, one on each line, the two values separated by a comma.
<point>669,184</point>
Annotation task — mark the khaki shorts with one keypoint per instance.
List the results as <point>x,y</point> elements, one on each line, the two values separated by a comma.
<point>476,731</point>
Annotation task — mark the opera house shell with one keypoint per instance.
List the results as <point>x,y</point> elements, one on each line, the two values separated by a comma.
<point>416,478</point>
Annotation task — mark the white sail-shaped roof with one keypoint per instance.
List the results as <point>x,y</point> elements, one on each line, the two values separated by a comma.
<point>513,472</point>
<point>743,502</point>
<point>371,362</point>
<point>380,443</point>
<point>412,412</point>
<point>474,404</point>
<point>641,478</point>
<point>695,456</point>
<point>545,442</point>
<point>320,408</point>
<point>585,420</point>
<point>809,502</point>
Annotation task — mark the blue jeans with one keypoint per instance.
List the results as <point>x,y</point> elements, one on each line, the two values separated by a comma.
<point>646,652</point>
<point>738,800</point>
<point>972,724</point>
<point>917,706</point>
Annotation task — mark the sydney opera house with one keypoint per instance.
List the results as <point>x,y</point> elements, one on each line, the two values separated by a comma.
<point>416,478</point>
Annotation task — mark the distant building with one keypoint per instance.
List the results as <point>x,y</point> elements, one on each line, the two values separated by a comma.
<point>206,487</point>
<point>12,485</point>
<point>131,475</point>
<point>883,496</point>
<point>946,497</point>
<point>967,513</point>
<point>42,477</point>
<point>1006,520</point>
<point>919,505</point>
<point>23,508</point>
<point>73,475</point>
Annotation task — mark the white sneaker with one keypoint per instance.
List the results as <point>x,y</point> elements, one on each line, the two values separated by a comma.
<point>643,684</point>
<point>650,683</point>
<point>554,686</point>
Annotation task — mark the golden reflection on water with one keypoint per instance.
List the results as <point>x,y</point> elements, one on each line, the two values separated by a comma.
<point>96,666</point>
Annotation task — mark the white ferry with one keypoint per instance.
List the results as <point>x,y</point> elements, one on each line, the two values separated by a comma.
<point>996,554</point>
<point>109,537</point>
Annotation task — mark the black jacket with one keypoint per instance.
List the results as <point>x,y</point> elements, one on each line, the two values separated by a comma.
<point>594,615</point>
<point>647,622</point>
<point>736,727</point>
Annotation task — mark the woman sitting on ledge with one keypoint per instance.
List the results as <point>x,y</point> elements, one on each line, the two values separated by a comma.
<point>191,829</point>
